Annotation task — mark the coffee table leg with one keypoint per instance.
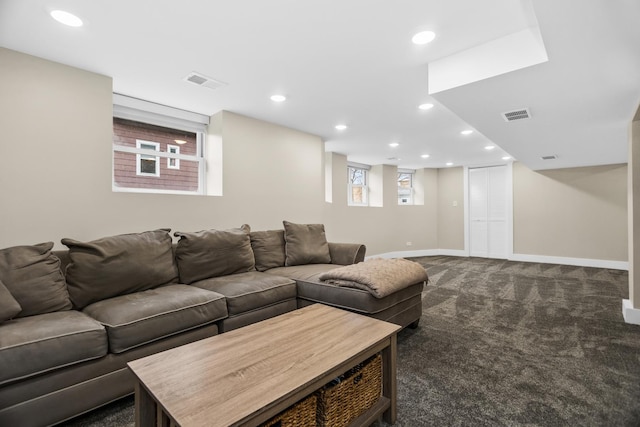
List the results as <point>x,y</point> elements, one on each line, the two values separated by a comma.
<point>145,408</point>
<point>390,389</point>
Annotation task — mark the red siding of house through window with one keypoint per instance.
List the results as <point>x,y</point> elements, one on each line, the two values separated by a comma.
<point>126,132</point>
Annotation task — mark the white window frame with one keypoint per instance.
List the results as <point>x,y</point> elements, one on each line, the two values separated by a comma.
<point>364,186</point>
<point>411,174</point>
<point>138,110</point>
<point>143,153</point>
<point>176,150</point>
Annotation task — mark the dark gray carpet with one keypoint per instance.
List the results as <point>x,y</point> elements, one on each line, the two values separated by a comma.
<point>508,344</point>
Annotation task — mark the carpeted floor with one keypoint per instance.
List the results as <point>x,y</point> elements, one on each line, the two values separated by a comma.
<point>507,344</point>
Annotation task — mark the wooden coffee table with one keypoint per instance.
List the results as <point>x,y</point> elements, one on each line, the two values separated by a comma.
<point>248,375</point>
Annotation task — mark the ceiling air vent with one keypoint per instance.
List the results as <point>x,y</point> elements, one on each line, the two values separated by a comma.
<point>551,157</point>
<point>202,80</point>
<point>522,113</point>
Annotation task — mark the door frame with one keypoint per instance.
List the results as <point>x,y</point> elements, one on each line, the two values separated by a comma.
<point>509,200</point>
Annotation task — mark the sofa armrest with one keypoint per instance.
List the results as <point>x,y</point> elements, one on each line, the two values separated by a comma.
<point>346,253</point>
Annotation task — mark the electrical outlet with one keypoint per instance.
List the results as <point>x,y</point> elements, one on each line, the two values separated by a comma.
<point>455,203</point>
<point>409,243</point>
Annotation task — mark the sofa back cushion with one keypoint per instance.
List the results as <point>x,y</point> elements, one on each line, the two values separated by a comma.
<point>212,253</point>
<point>305,244</point>
<point>268,249</point>
<point>33,277</point>
<point>9,307</point>
<point>119,265</point>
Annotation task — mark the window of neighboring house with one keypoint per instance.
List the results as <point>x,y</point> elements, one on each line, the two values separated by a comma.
<point>144,135</point>
<point>146,164</point>
<point>405,188</point>
<point>172,162</point>
<point>358,190</point>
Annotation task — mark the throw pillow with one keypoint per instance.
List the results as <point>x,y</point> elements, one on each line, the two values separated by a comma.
<point>32,275</point>
<point>9,307</point>
<point>119,265</point>
<point>213,253</point>
<point>268,249</point>
<point>305,244</point>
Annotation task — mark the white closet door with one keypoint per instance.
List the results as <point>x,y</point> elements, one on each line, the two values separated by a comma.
<point>478,227</point>
<point>497,212</point>
<point>488,212</point>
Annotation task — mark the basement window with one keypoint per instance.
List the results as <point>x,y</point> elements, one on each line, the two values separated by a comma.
<point>157,150</point>
<point>357,187</point>
<point>405,187</point>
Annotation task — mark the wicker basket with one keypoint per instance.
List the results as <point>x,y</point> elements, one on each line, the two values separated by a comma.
<point>347,397</point>
<point>301,414</point>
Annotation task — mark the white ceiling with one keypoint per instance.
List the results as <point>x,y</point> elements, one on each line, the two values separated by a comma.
<point>352,61</point>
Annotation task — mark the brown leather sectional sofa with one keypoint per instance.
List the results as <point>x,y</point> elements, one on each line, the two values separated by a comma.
<point>71,320</point>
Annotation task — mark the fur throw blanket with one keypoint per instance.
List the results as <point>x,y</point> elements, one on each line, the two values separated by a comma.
<point>379,276</point>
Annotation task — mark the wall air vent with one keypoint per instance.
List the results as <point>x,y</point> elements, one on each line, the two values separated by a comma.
<point>551,157</point>
<point>202,80</point>
<point>522,113</point>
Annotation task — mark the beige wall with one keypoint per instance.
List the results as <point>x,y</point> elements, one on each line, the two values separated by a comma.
<point>573,213</point>
<point>55,146</point>
<point>271,173</point>
<point>451,218</point>
<point>577,212</point>
<point>382,229</point>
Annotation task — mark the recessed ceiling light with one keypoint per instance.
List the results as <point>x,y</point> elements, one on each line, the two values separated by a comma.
<point>489,147</point>
<point>506,158</point>
<point>394,144</point>
<point>425,156</point>
<point>66,18</point>
<point>423,37</point>
<point>278,98</point>
<point>341,127</point>
<point>467,132</point>
<point>425,106</point>
<point>449,164</point>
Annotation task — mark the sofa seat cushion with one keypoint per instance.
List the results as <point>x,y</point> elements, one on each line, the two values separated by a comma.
<point>250,291</point>
<point>135,319</point>
<point>310,288</point>
<point>36,344</point>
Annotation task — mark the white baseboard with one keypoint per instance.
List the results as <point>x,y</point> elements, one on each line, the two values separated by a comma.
<point>580,262</point>
<point>630,314</point>
<point>406,254</point>
<point>452,252</point>
<point>421,252</point>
